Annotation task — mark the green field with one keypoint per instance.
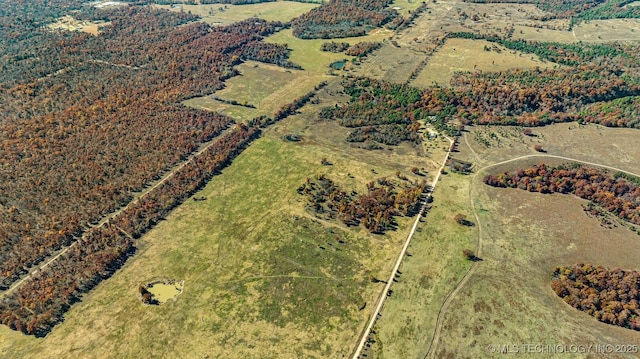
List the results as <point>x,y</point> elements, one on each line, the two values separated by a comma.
<point>435,266</point>
<point>307,53</point>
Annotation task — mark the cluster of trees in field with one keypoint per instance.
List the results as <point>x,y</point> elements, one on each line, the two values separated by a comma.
<point>363,48</point>
<point>603,89</point>
<point>333,46</point>
<point>342,18</point>
<point>375,210</point>
<point>614,193</point>
<point>609,295</point>
<point>359,49</point>
<point>386,113</point>
<point>89,120</point>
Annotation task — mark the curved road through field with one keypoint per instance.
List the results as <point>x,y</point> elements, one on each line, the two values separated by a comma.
<point>383,295</point>
<point>445,305</point>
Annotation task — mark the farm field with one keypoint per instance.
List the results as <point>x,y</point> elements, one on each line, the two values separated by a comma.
<point>256,281</point>
<point>225,14</point>
<point>390,63</point>
<point>472,55</point>
<point>508,300</point>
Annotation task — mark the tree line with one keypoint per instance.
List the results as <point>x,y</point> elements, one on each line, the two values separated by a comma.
<point>616,194</point>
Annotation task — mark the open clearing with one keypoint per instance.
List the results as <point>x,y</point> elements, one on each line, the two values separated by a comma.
<point>591,31</point>
<point>258,282</point>
<point>472,55</point>
<point>69,23</point>
<point>390,63</point>
<point>225,14</point>
<point>307,53</point>
<point>268,87</point>
<point>508,300</point>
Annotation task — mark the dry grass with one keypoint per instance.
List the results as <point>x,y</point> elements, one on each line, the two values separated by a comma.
<point>508,300</point>
<point>265,86</point>
<point>69,23</point>
<point>470,55</point>
<point>225,14</point>
<point>390,63</point>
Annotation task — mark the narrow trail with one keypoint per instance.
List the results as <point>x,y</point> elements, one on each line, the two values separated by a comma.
<point>383,294</point>
<point>445,305</point>
<point>136,196</point>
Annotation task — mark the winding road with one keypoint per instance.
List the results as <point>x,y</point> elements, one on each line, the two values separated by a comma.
<point>445,305</point>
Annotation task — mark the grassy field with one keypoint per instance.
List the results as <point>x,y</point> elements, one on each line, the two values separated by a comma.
<point>471,55</point>
<point>225,14</point>
<point>435,266</point>
<point>307,53</point>
<point>508,300</point>
<point>405,6</point>
<point>390,63</point>
<point>592,31</point>
<point>256,281</point>
<point>265,86</point>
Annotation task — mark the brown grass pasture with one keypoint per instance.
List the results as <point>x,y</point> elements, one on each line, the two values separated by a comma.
<point>225,14</point>
<point>470,55</point>
<point>591,31</point>
<point>391,63</point>
<point>508,301</point>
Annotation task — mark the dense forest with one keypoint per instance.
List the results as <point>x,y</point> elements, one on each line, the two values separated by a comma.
<point>617,194</point>
<point>342,18</point>
<point>375,210</point>
<point>609,295</point>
